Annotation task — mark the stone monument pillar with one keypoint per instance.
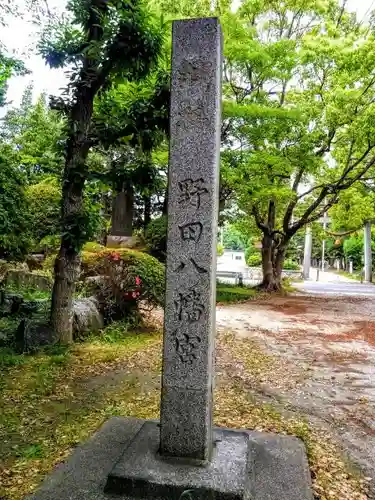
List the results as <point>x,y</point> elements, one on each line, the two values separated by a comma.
<point>189,328</point>
<point>368,252</point>
<point>122,218</point>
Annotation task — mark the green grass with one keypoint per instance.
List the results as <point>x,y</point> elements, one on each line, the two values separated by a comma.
<point>231,293</point>
<point>29,293</point>
<point>355,276</point>
<point>47,407</point>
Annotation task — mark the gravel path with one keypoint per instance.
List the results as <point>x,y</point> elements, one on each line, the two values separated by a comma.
<point>329,345</point>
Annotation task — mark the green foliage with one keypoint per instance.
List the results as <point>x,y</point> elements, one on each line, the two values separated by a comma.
<point>302,118</point>
<point>9,67</point>
<point>356,206</point>
<point>253,259</point>
<point>7,356</point>
<point>233,239</point>
<point>14,224</point>
<point>28,292</point>
<point>48,244</point>
<point>291,265</point>
<point>353,250</point>
<point>93,246</point>
<point>43,200</point>
<point>334,248</point>
<point>123,268</point>
<point>228,294</point>
<point>36,134</point>
<point>112,45</point>
<point>220,250</point>
<point>156,238</point>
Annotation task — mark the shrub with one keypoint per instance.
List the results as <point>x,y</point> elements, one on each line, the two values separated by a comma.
<point>228,293</point>
<point>93,246</point>
<point>253,260</point>
<point>49,263</point>
<point>14,219</point>
<point>220,250</point>
<point>49,244</point>
<point>156,238</point>
<point>43,200</point>
<point>291,265</point>
<point>131,278</point>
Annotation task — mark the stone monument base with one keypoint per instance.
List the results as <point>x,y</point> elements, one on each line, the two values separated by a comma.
<point>122,241</point>
<point>121,462</point>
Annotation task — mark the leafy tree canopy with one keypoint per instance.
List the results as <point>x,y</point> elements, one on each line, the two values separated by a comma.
<point>298,107</point>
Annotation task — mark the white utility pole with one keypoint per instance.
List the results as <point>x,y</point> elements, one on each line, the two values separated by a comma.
<point>325,220</point>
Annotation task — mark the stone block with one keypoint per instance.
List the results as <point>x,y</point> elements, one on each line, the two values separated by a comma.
<point>84,475</point>
<point>141,472</point>
<point>279,468</point>
<point>121,461</point>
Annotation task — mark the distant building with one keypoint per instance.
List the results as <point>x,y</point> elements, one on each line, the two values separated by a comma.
<point>231,260</point>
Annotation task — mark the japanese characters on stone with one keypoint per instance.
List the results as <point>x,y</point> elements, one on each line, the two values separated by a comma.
<point>189,305</point>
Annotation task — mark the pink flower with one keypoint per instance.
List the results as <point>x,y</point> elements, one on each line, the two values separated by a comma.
<point>115,256</point>
<point>138,280</point>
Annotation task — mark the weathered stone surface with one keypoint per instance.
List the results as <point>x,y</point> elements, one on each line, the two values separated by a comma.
<point>307,253</point>
<point>367,252</point>
<point>122,213</point>
<point>32,334</point>
<point>122,241</point>
<point>22,278</point>
<point>279,468</point>
<point>141,472</point>
<point>86,316</point>
<point>245,466</point>
<point>192,234</point>
<point>84,475</point>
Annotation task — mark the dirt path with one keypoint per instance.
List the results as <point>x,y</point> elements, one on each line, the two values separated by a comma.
<point>327,347</point>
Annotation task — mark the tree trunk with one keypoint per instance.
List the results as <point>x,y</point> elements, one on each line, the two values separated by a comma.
<point>78,144</point>
<point>272,264</point>
<point>268,284</point>
<point>67,266</point>
<point>278,266</point>
<point>147,212</point>
<point>67,263</point>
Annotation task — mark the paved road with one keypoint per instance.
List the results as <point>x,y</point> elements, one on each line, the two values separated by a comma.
<point>333,284</point>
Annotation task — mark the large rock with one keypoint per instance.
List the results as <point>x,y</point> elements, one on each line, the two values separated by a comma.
<point>86,316</point>
<point>35,261</point>
<point>95,284</point>
<point>32,334</point>
<point>22,278</point>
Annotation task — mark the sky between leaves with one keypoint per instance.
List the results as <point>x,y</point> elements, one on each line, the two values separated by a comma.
<point>20,36</point>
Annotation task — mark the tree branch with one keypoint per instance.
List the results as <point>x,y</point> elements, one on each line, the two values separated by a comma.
<point>258,219</point>
<point>326,147</point>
